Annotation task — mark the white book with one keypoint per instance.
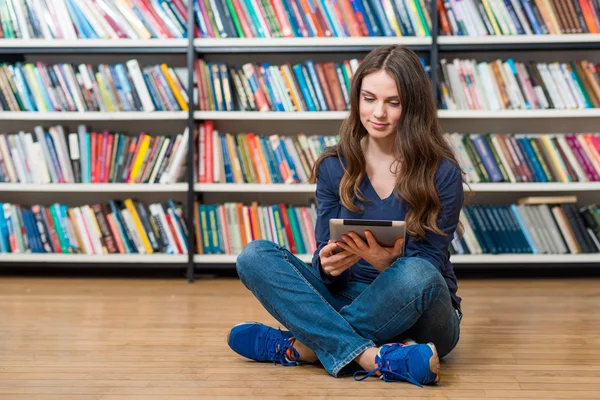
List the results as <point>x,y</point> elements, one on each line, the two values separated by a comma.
<point>18,162</point>
<point>43,175</point>
<point>550,86</point>
<point>178,233</point>
<point>573,86</point>
<point>31,158</point>
<point>471,69</point>
<point>246,227</point>
<point>562,85</point>
<point>132,18</point>
<point>173,28</point>
<point>22,150</point>
<point>135,234</point>
<point>513,89</point>
<point>49,29</point>
<point>170,175</point>
<point>159,160</point>
<point>273,226</point>
<point>64,19</point>
<point>154,211</point>
<point>65,152</point>
<point>94,10</point>
<point>553,229</point>
<point>457,88</point>
<point>490,87</point>
<point>281,88</point>
<point>521,16</point>
<point>217,158</point>
<point>113,12</point>
<point>140,86</point>
<point>84,231</point>
<point>289,144</point>
<point>233,228</point>
<point>19,8</point>
<point>93,229</point>
<point>503,159</point>
<point>73,83</point>
<point>571,158</point>
<point>471,9</point>
<point>60,155</point>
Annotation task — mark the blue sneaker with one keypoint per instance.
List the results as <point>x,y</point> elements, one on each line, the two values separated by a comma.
<point>414,363</point>
<point>259,342</point>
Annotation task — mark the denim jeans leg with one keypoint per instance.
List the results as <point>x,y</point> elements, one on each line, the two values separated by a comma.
<point>410,297</point>
<point>293,294</point>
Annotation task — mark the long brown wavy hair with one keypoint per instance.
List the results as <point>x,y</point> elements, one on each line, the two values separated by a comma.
<point>419,144</point>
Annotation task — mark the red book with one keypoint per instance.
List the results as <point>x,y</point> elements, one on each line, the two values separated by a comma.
<point>152,17</point>
<point>93,156</point>
<point>107,157</point>
<point>288,227</point>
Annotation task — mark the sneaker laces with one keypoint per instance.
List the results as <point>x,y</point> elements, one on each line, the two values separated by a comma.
<point>392,365</point>
<point>276,348</point>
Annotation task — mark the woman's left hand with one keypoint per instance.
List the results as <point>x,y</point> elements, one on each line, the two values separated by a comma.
<point>379,257</point>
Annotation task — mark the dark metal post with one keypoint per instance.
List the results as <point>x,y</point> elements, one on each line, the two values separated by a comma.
<point>190,155</point>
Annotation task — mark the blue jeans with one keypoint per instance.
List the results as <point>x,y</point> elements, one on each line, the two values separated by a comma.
<point>410,299</point>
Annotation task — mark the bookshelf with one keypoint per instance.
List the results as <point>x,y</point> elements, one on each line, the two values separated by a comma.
<point>432,47</point>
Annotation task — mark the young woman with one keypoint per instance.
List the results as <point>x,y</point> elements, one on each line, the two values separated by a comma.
<point>393,311</point>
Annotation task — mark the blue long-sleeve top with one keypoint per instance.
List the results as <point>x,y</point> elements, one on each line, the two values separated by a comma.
<point>433,248</point>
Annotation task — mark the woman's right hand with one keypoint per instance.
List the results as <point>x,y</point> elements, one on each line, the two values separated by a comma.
<point>335,264</point>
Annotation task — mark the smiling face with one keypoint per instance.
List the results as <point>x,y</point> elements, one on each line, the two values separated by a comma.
<point>379,105</point>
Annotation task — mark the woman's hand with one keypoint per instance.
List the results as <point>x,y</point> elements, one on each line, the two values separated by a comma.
<point>335,264</point>
<point>379,257</point>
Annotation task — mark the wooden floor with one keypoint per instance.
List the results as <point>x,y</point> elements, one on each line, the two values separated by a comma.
<point>94,339</point>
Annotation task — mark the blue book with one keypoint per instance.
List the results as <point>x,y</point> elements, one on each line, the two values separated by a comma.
<point>537,170</point>
<point>524,229</point>
<point>4,243</point>
<point>379,12</point>
<point>229,178</point>
<point>312,72</point>
<point>370,20</point>
<point>273,93</point>
<point>270,159</point>
<point>308,99</point>
<point>486,156</point>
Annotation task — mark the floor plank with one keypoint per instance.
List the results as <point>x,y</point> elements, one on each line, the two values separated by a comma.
<point>150,339</point>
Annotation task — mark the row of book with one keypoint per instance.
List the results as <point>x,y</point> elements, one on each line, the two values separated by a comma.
<point>254,158</point>
<point>93,19</point>
<point>264,87</point>
<point>47,87</point>
<point>518,17</point>
<point>312,18</point>
<point>123,227</point>
<point>535,225</point>
<point>59,156</point>
<point>528,158</point>
<point>500,85</point>
<point>552,225</point>
<point>227,228</point>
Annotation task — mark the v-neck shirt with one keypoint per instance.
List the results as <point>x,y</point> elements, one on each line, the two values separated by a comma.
<point>433,248</point>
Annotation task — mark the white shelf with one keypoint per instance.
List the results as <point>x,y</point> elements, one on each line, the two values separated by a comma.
<point>91,258</point>
<point>93,187</point>
<point>515,114</point>
<point>456,259</point>
<point>270,115</point>
<point>442,114</point>
<point>312,42</point>
<point>518,39</point>
<point>231,258</point>
<point>93,116</point>
<point>525,258</point>
<point>475,187</point>
<point>93,43</point>
<point>254,188</point>
<point>536,187</point>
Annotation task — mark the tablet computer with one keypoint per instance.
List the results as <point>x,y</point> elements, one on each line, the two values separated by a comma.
<point>386,232</point>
